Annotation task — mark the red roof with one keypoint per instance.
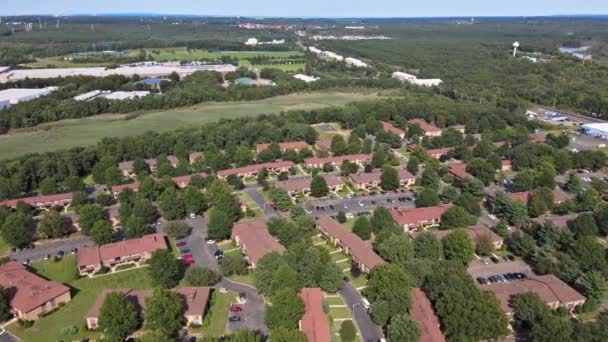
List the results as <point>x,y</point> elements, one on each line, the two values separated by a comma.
<point>438,152</point>
<point>96,254</point>
<point>424,126</point>
<point>506,162</point>
<point>360,250</point>
<point>27,290</point>
<point>338,160</point>
<point>291,145</point>
<point>303,183</point>
<point>537,138</point>
<point>186,179</point>
<point>40,200</point>
<point>422,312</point>
<point>126,166</point>
<point>254,236</point>
<point>390,128</point>
<point>459,171</point>
<point>560,221</point>
<point>520,196</point>
<point>255,168</point>
<point>502,143</point>
<point>405,216</point>
<point>314,323</point>
<point>119,188</point>
<point>474,233</point>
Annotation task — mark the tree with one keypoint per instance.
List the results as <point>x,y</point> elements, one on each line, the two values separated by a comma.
<point>362,228</point>
<point>470,204</point>
<point>485,247</point>
<point>448,194</point>
<point>164,270</point>
<point>48,186</point>
<point>593,284</point>
<point>265,269</point>
<point>284,277</point>
<point>171,205</point>
<point>389,283</point>
<point>102,232</point>
<point>201,276</point>
<point>112,176</point>
<point>403,328</point>
<point>389,179</point>
<point>177,229</point>
<point>164,312</point>
<point>532,315</point>
<point>397,249</point>
<point>584,224</point>
<point>118,317</point>
<point>17,229</point>
<point>135,227</point>
<point>589,253</point>
<point>481,169</point>
<point>601,218</point>
<point>381,219</point>
<point>426,197</point>
<point>573,183</point>
<point>378,158</point>
<point>545,175</point>
<point>429,178</point>
<point>194,200</point>
<point>348,331</point>
<point>103,199</point>
<point>280,198</point>
<point>412,165</point>
<point>318,187</point>
<point>53,225</point>
<point>5,307</point>
<point>233,264</point>
<point>586,200</point>
<point>220,226</point>
<point>286,310</point>
<point>341,217</point>
<point>287,335</point>
<point>523,181</point>
<point>428,246</point>
<point>455,217</point>
<point>88,215</point>
<point>457,246</point>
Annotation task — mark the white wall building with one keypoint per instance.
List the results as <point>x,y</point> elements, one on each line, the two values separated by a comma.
<point>90,95</point>
<point>404,77</point>
<point>596,129</point>
<point>251,42</point>
<point>125,95</point>
<point>305,78</point>
<point>355,62</point>
<point>9,97</point>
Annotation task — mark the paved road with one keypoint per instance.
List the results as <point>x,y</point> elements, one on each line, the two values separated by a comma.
<point>252,191</point>
<point>369,330</point>
<point>52,248</point>
<point>7,337</point>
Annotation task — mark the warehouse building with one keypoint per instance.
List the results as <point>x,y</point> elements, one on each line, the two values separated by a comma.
<point>596,129</point>
<point>10,97</point>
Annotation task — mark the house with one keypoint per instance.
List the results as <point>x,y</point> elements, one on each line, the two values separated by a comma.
<point>411,218</point>
<point>537,138</point>
<point>183,181</point>
<point>557,220</point>
<point>255,240</point>
<point>134,251</point>
<point>367,180</point>
<point>459,171</point>
<point>31,296</point>
<point>194,156</point>
<point>460,128</point>
<point>437,153</point>
<point>474,232</point>
<point>361,252</point>
<point>195,302</point>
<point>429,130</point>
<point>252,170</point>
<point>314,324</point>
<point>117,189</point>
<point>551,290</point>
<point>295,186</point>
<point>422,312</point>
<point>173,160</point>
<point>41,201</point>
<point>292,145</point>
<point>126,168</point>
<point>390,128</point>
<point>506,165</point>
<point>359,159</point>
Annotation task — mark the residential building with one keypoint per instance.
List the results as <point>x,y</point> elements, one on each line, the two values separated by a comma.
<point>323,144</point>
<point>368,180</point>
<point>427,82</point>
<point>422,312</point>
<point>305,78</point>
<point>298,185</point>
<point>314,324</point>
<point>173,160</point>
<point>154,83</point>
<point>359,159</point>
<point>390,128</point>
<point>537,138</point>
<point>183,181</point>
<point>255,240</point>
<point>41,201</point>
<point>284,146</point>
<point>361,252</point>
<point>31,296</point>
<point>252,170</point>
<point>551,290</point>
<point>194,156</point>
<point>557,220</point>
<point>475,233</point>
<point>460,128</point>
<point>134,251</point>
<point>429,130</point>
<point>117,189</point>
<point>355,62</point>
<point>412,218</point>
<point>459,171</point>
<point>195,301</point>
<point>506,165</point>
<point>437,153</point>
<point>125,95</point>
<point>126,167</point>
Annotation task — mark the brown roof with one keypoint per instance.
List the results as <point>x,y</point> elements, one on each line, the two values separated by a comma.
<point>537,138</point>
<point>151,163</point>
<point>126,166</point>
<point>41,199</point>
<point>422,312</point>
<point>390,128</point>
<point>186,179</point>
<point>314,322</point>
<point>407,216</point>
<point>194,300</point>
<point>291,145</point>
<point>560,221</point>
<point>324,144</point>
<point>26,290</point>
<point>474,232</point>
<point>520,196</point>
<point>459,171</point>
<point>194,156</point>
<point>502,143</point>
<point>303,183</point>
<point>424,125</point>
<point>549,288</point>
<point>255,168</point>
<point>254,235</point>
<point>360,250</point>
<point>339,159</point>
<point>173,160</point>
<point>365,177</point>
<point>145,244</point>
<point>119,188</point>
<point>439,151</point>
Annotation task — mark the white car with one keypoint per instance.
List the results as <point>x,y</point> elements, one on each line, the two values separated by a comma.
<point>366,304</point>
<point>223,290</point>
<point>210,242</point>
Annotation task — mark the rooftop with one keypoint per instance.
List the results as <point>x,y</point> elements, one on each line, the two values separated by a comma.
<point>315,323</point>
<point>255,168</point>
<point>422,312</point>
<point>256,238</point>
<point>390,128</point>
<point>40,199</point>
<point>424,126</point>
<point>94,255</point>
<point>405,216</point>
<point>474,232</point>
<point>338,160</point>
<point>291,145</point>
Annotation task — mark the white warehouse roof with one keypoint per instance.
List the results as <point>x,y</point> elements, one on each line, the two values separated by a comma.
<point>597,126</point>
<point>16,95</point>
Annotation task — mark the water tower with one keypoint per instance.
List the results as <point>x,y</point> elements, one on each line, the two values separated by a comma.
<point>515,46</point>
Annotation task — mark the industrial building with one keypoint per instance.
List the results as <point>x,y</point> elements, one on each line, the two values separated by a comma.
<point>10,97</point>
<point>355,62</point>
<point>428,82</point>
<point>596,129</point>
<point>125,95</point>
<point>305,78</point>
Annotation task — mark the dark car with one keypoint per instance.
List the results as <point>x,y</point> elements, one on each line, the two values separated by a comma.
<point>482,280</point>
<point>218,252</point>
<point>494,260</point>
<point>331,207</point>
<point>346,279</point>
<point>184,251</point>
<point>510,257</point>
<point>234,319</point>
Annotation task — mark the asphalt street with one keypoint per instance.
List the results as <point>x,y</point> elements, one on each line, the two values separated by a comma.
<point>52,248</point>
<point>352,298</point>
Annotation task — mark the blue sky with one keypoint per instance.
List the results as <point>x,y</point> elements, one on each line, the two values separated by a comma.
<point>314,8</point>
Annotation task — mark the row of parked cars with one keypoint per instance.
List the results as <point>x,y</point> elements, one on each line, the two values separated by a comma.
<point>502,278</point>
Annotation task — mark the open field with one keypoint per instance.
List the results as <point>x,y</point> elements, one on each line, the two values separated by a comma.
<point>63,271</point>
<point>84,293</point>
<point>177,54</point>
<point>87,131</point>
<point>217,317</point>
<point>4,247</point>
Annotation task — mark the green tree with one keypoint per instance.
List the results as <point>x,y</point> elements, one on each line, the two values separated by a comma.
<point>282,334</point>
<point>601,218</point>
<point>426,197</point>
<point>284,277</point>
<point>362,228</point>
<point>531,313</point>
<point>397,249</point>
<point>117,317</point>
<point>177,229</point>
<point>523,181</point>
<point>103,199</point>
<point>403,328</point>
<point>584,224</point>
<point>593,284</point>
<point>573,183</point>
<point>5,307</point>
<point>429,178</point>
<point>17,229</point>
<point>448,194</point>
<point>53,225</point>
<point>233,264</point>
<point>112,176</point>
<point>201,276</point>
<point>341,217</point>
<point>164,312</point>
<point>48,186</point>
<point>102,232</point>
<point>485,247</point>
<point>171,205</point>
<point>194,200</point>
<point>455,217</point>
<point>220,226</point>
<point>427,246</point>
<point>348,331</point>
<point>280,198</point>
<point>391,284</point>
<point>265,269</point>
<point>164,270</point>
<point>88,215</point>
<point>457,246</point>
<point>286,310</point>
<point>389,179</point>
<point>412,165</point>
<point>318,187</point>
<point>381,219</point>
<point>135,227</point>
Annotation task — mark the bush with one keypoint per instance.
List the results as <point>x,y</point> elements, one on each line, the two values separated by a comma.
<point>201,276</point>
<point>25,323</point>
<point>71,330</point>
<point>348,332</point>
<point>103,270</point>
<point>177,229</point>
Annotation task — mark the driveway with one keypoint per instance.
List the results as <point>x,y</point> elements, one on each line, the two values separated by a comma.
<point>52,248</point>
<point>7,337</point>
<point>369,330</point>
<point>360,204</point>
<point>252,191</point>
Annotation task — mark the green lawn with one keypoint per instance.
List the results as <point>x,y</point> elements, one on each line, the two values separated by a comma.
<point>216,318</point>
<point>356,282</point>
<point>230,245</point>
<point>342,312</point>
<point>63,271</point>
<point>334,300</point>
<point>4,247</point>
<point>176,54</point>
<point>87,131</point>
<point>84,293</point>
<point>251,205</point>
<point>248,278</point>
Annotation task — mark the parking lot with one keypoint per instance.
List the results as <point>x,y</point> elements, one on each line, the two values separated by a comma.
<point>486,268</point>
<point>360,204</point>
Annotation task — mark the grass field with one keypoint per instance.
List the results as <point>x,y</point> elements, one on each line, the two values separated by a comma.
<point>86,131</point>
<point>84,293</point>
<point>248,278</point>
<point>178,54</point>
<point>4,247</point>
<point>63,271</point>
<point>217,317</point>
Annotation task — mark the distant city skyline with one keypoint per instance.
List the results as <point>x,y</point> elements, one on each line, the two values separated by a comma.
<point>311,8</point>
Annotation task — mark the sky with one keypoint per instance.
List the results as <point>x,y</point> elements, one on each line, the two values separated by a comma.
<point>311,8</point>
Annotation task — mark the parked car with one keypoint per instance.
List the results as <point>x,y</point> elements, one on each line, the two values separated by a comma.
<point>74,250</point>
<point>510,257</point>
<point>235,308</point>
<point>184,251</point>
<point>234,319</point>
<point>187,256</point>
<point>181,244</point>
<point>26,261</point>
<point>494,259</point>
<point>188,262</point>
<point>47,257</point>
<point>223,290</point>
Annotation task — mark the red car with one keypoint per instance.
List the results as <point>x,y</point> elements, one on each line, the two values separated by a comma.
<point>396,190</point>
<point>181,244</point>
<point>187,256</point>
<point>235,309</point>
<point>188,262</point>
